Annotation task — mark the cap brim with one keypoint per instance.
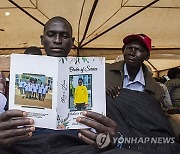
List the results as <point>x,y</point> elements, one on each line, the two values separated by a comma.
<point>134,37</point>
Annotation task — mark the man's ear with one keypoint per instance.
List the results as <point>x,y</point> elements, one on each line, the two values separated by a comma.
<point>147,56</point>
<point>42,39</point>
<point>122,52</point>
<point>73,38</point>
<point>123,48</point>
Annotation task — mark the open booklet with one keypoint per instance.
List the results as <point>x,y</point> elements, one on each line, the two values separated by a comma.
<point>55,90</point>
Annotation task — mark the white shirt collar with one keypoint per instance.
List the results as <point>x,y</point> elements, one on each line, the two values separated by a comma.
<point>139,77</point>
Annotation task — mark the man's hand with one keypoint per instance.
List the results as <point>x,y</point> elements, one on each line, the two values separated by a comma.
<point>11,129</point>
<point>86,105</point>
<point>100,123</point>
<point>113,91</point>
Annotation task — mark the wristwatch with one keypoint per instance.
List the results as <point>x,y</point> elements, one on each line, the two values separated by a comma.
<point>119,140</point>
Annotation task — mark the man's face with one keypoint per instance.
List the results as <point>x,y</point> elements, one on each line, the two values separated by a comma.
<point>80,82</point>
<point>135,54</point>
<point>57,39</point>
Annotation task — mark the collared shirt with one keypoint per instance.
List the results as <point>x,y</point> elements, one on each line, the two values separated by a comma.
<point>138,83</point>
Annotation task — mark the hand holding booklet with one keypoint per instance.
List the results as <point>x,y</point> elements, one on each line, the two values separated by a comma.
<point>55,90</point>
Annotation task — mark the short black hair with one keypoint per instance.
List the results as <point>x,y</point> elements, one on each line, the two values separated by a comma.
<point>173,72</point>
<point>58,18</point>
<point>33,50</point>
<point>80,79</point>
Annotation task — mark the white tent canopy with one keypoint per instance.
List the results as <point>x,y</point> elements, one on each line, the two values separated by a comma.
<point>98,26</point>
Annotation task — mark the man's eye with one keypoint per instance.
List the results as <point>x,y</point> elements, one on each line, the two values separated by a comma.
<point>50,34</point>
<point>128,48</point>
<point>139,50</point>
<point>65,35</point>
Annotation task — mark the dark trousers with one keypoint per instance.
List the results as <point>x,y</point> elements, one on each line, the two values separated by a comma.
<point>80,106</point>
<point>55,143</point>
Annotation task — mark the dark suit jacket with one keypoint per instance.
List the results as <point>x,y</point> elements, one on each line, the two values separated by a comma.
<point>115,76</point>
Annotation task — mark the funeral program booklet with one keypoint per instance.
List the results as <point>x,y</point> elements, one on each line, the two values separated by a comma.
<point>55,90</point>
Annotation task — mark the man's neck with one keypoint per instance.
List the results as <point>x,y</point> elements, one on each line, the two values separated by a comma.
<point>132,71</point>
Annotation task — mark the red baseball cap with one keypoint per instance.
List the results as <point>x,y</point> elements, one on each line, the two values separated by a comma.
<point>141,37</point>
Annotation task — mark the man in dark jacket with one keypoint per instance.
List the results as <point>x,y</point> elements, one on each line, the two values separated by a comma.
<point>132,73</point>
<point>134,98</point>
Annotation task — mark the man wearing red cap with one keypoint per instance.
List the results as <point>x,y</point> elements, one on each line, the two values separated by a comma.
<point>132,73</point>
<point>134,97</point>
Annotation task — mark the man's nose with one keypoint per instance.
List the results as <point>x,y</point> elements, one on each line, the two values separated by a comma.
<point>132,51</point>
<point>57,39</point>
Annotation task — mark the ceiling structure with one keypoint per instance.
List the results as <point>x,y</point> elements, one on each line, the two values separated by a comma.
<point>98,26</point>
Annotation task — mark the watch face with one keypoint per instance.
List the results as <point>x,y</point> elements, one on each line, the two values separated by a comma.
<point>119,140</point>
